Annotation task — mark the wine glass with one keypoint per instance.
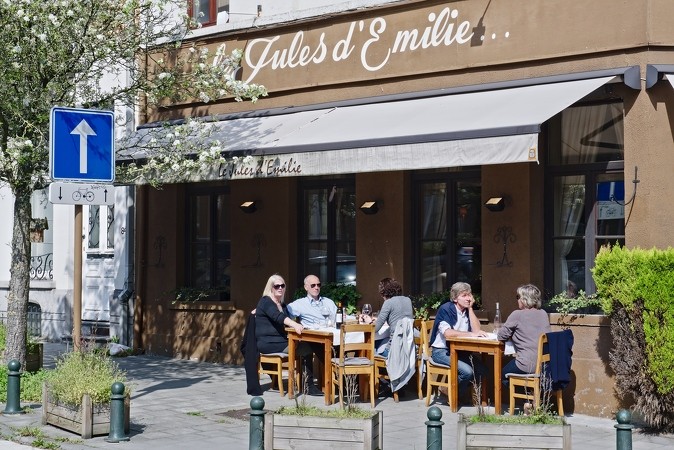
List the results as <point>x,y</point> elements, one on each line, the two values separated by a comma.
<point>367,309</point>
<point>325,311</point>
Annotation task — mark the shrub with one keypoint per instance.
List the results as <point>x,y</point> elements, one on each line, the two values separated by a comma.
<point>86,372</point>
<point>637,291</point>
<point>427,304</point>
<point>337,292</point>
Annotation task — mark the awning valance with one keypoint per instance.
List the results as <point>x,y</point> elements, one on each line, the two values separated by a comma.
<point>495,126</point>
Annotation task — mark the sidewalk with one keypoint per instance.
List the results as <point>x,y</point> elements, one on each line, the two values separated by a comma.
<point>179,404</point>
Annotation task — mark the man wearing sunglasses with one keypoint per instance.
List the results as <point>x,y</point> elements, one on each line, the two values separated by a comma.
<point>313,311</point>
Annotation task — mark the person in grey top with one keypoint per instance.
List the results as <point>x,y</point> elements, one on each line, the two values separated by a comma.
<point>396,306</point>
<point>524,327</point>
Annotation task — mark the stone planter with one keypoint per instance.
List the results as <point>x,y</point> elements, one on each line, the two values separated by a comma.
<point>35,357</point>
<point>282,431</point>
<point>87,419</point>
<point>487,436</point>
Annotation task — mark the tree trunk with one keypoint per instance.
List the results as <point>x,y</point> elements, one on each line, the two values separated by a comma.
<point>19,282</point>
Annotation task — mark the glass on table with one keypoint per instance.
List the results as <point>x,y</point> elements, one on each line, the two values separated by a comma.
<point>367,309</point>
<point>325,312</point>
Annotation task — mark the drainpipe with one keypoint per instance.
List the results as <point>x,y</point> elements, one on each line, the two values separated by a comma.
<point>140,256</point>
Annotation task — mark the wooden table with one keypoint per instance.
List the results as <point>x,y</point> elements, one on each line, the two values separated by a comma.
<point>323,337</point>
<point>478,345</point>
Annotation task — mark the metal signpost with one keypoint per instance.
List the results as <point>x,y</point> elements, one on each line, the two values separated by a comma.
<point>81,155</point>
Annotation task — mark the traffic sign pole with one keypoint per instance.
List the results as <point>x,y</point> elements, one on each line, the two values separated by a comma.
<point>77,281</point>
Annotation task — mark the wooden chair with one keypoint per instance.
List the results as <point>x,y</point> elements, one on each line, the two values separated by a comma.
<point>381,373</point>
<point>437,375</point>
<point>362,363</point>
<point>531,382</point>
<point>272,364</point>
<point>380,365</point>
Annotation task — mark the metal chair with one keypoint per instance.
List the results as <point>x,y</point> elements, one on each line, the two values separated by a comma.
<point>362,363</point>
<point>531,382</point>
<point>437,375</point>
<point>272,364</point>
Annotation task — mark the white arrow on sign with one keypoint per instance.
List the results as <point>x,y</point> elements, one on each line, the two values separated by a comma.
<point>84,130</point>
<point>81,194</point>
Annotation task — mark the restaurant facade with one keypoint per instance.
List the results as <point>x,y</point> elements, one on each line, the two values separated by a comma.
<point>497,143</point>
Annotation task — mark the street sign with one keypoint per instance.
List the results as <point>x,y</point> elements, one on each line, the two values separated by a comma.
<point>81,145</point>
<point>81,194</point>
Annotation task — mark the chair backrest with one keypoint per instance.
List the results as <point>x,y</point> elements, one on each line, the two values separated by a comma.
<point>558,371</point>
<point>365,348</point>
<point>418,341</point>
<point>426,329</point>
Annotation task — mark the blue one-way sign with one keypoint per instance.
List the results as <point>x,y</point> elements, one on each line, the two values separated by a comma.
<point>81,145</point>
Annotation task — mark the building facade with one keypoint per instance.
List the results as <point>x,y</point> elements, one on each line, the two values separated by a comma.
<point>498,143</point>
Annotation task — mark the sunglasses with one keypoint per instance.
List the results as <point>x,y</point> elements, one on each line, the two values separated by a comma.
<point>279,286</point>
<point>315,285</point>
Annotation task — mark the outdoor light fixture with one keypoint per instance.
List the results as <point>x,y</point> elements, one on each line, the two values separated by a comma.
<point>248,207</point>
<point>495,204</point>
<point>370,207</point>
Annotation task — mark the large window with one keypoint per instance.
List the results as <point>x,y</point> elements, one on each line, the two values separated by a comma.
<point>448,244</point>
<point>586,193</point>
<point>206,11</point>
<point>328,220</point>
<point>209,250</point>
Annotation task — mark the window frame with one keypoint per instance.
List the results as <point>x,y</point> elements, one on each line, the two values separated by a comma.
<point>330,240</point>
<point>451,179</point>
<point>591,172</point>
<point>190,196</point>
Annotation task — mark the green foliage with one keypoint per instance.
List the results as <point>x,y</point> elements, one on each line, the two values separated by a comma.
<point>637,288</point>
<point>536,417</point>
<point>31,385</point>
<point>86,372</point>
<point>341,413</point>
<point>427,304</point>
<point>580,304</point>
<point>337,292</point>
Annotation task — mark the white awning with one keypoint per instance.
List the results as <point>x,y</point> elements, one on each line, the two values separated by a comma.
<point>475,128</point>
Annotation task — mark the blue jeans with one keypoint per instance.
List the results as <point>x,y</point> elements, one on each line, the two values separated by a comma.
<point>470,366</point>
<point>511,367</point>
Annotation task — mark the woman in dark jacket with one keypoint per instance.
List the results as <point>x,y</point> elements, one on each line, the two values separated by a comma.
<point>271,318</point>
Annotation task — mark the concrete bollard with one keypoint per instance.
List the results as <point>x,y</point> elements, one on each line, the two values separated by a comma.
<point>434,429</point>
<point>256,433</point>
<point>623,430</point>
<point>117,433</point>
<point>13,388</point>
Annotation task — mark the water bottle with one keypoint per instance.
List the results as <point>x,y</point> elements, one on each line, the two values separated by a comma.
<point>497,318</point>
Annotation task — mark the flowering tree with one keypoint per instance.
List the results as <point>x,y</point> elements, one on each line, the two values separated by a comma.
<point>100,54</point>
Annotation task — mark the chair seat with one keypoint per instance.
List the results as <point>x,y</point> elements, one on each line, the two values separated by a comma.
<point>354,361</point>
<point>279,354</point>
<point>522,375</point>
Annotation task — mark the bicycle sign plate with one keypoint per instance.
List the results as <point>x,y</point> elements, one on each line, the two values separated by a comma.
<point>81,194</point>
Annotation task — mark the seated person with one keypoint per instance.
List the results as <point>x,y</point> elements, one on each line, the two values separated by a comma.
<point>396,306</point>
<point>271,318</point>
<point>311,311</point>
<point>456,318</point>
<point>524,327</point>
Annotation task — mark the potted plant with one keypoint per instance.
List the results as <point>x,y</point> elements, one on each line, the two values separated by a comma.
<point>76,394</point>
<point>36,229</point>
<point>309,426</point>
<point>34,354</point>
<point>534,428</point>
<point>425,305</point>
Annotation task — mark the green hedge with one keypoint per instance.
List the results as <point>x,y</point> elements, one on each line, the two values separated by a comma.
<point>636,287</point>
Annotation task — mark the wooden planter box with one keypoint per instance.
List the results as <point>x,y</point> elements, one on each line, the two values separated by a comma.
<point>305,432</point>
<point>35,359</point>
<point>87,420</point>
<point>486,436</point>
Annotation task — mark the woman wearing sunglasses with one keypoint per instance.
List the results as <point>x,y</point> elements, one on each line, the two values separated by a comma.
<point>271,318</point>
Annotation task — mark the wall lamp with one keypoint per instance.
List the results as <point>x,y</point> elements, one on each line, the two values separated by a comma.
<point>370,207</point>
<point>495,204</point>
<point>248,207</point>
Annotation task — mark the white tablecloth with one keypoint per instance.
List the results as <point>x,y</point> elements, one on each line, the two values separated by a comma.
<point>351,338</point>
